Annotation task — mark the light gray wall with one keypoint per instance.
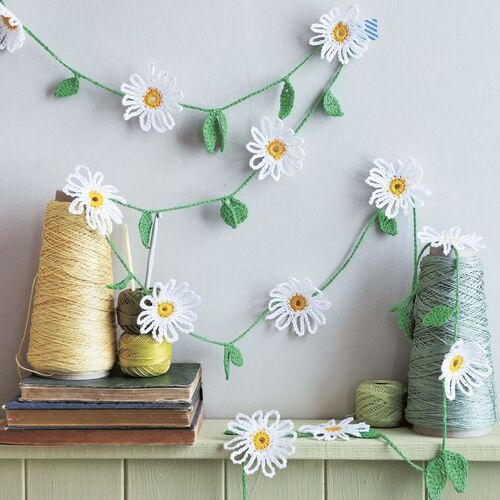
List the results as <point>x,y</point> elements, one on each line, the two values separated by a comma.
<point>428,89</point>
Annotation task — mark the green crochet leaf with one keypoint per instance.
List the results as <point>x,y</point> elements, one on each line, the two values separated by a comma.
<point>215,128</point>
<point>438,316</point>
<point>222,125</point>
<point>231,355</point>
<point>68,87</point>
<point>121,284</point>
<point>145,227</point>
<point>370,434</point>
<point>227,358</point>
<point>387,226</point>
<point>210,131</point>
<point>233,211</point>
<point>287,98</point>
<point>404,310</point>
<point>235,354</point>
<point>457,470</point>
<point>331,105</point>
<point>435,477</point>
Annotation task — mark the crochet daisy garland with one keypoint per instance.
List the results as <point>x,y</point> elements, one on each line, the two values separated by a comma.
<point>167,309</point>
<point>465,366</point>
<point>154,99</point>
<point>299,306</point>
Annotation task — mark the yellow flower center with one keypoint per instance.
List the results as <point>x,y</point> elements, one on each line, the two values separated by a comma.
<point>276,149</point>
<point>165,309</point>
<point>152,98</point>
<point>340,32</point>
<point>6,22</point>
<point>298,302</point>
<point>261,440</point>
<point>456,363</point>
<point>397,186</point>
<point>333,429</point>
<point>96,199</point>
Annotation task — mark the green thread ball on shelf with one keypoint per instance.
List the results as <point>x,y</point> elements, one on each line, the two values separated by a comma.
<point>381,403</point>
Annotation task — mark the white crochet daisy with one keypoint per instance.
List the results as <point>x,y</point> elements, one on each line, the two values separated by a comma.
<point>396,185</point>
<point>464,367</point>
<point>12,35</point>
<point>299,304</point>
<point>153,99</point>
<point>340,35</point>
<point>95,198</point>
<point>261,442</point>
<point>450,238</point>
<point>276,150</point>
<point>168,311</point>
<point>331,430</point>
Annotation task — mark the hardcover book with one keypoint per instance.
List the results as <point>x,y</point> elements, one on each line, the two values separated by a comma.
<point>178,384</point>
<point>100,415</point>
<point>138,436</point>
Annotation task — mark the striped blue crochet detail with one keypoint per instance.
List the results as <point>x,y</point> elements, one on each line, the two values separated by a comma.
<point>371,28</point>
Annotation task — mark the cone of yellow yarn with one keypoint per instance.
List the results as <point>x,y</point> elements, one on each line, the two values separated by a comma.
<point>72,331</point>
<point>139,355</point>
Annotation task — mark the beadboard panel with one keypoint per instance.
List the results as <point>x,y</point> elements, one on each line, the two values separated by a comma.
<point>483,483</point>
<point>182,479</point>
<point>11,479</point>
<point>348,480</point>
<point>74,480</point>
<point>174,479</point>
<point>302,479</point>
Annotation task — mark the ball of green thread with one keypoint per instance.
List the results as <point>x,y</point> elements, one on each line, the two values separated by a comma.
<point>381,403</point>
<point>142,356</point>
<point>128,308</point>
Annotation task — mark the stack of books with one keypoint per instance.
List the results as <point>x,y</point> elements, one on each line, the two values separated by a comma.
<point>115,410</point>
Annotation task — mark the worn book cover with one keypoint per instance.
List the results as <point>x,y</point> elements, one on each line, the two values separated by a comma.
<point>77,414</point>
<point>178,384</point>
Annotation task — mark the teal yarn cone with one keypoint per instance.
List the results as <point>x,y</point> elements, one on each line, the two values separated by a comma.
<point>437,285</point>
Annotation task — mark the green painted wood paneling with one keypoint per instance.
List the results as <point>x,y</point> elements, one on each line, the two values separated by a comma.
<point>174,480</point>
<point>74,479</point>
<point>301,480</point>
<point>11,479</point>
<point>483,483</point>
<point>350,480</point>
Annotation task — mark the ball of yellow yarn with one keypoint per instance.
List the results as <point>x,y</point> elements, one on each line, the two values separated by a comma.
<point>142,356</point>
<point>128,308</point>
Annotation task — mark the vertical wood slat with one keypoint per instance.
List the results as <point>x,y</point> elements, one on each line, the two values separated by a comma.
<point>174,479</point>
<point>302,479</point>
<point>483,483</point>
<point>376,480</point>
<point>74,479</point>
<point>12,479</point>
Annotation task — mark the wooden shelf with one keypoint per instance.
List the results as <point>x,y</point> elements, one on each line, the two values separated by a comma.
<point>353,470</point>
<point>211,439</point>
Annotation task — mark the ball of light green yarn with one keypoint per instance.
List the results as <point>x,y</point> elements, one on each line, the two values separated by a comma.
<point>380,403</point>
<point>142,356</point>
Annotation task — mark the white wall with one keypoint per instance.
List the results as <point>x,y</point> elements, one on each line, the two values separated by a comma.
<point>428,89</point>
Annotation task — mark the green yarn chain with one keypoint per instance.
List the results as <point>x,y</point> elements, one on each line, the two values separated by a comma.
<point>232,354</point>
<point>215,126</point>
<point>447,465</point>
<point>79,75</point>
<point>233,211</point>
